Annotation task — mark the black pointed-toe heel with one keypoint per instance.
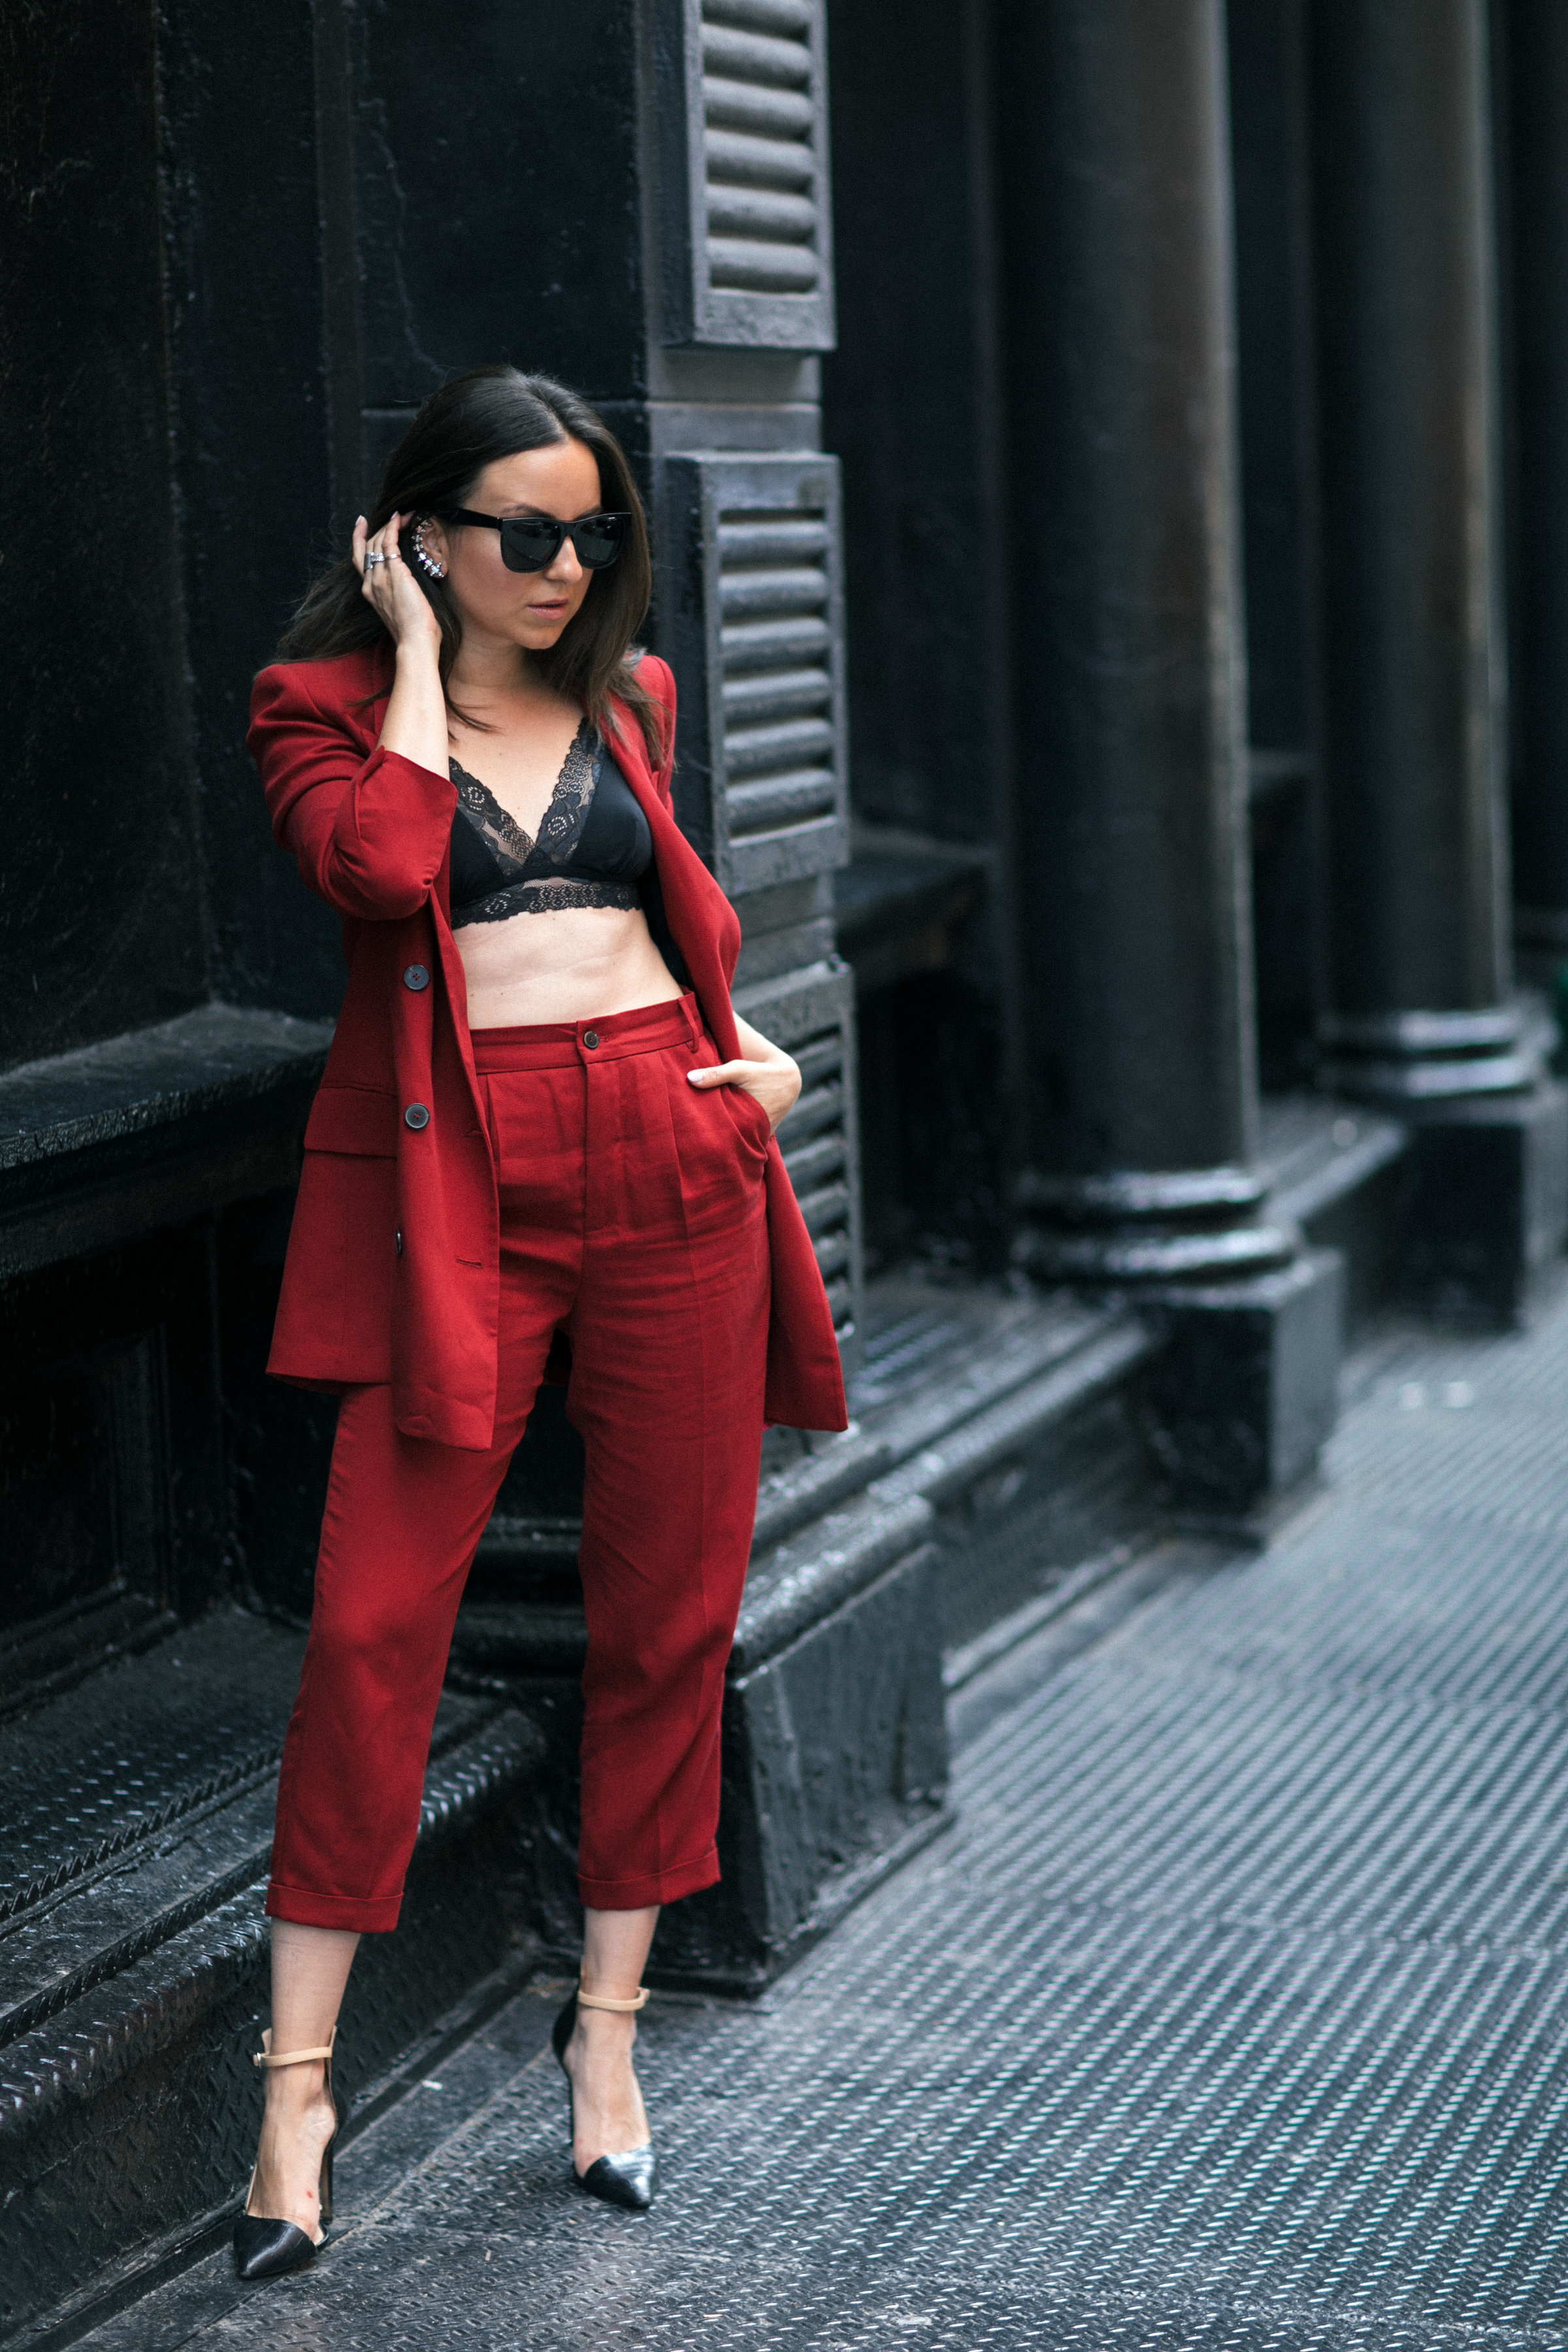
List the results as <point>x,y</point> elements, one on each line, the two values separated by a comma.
<point>630,2179</point>
<point>265,2249</point>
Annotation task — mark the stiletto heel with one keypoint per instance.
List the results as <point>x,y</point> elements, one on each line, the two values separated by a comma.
<point>266,2249</point>
<point>631,2178</point>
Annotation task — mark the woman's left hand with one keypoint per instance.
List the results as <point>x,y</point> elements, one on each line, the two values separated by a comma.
<point>768,1073</point>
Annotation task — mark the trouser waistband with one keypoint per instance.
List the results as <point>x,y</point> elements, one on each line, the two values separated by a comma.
<point>556,1044</point>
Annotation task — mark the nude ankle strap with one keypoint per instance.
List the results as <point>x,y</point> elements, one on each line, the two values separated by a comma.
<point>264,2057</point>
<point>604,2000</point>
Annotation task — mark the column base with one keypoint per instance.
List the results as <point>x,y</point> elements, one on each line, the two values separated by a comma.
<point>1406,1061</point>
<point>1245,1391</point>
<point>1191,1224</point>
<point>1245,1385</point>
<point>1484,1207</point>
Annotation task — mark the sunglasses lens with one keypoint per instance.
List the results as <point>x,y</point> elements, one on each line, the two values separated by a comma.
<point>598,540</point>
<point>531,543</point>
<point>527,545</point>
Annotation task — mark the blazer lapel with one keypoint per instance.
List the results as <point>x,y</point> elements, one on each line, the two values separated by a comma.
<point>702,921</point>
<point>371,721</point>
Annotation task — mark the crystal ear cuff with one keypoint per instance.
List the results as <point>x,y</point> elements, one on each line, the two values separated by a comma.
<point>422,555</point>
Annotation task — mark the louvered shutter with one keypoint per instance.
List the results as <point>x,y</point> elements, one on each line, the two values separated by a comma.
<point>811,1013</point>
<point>758,634</point>
<point>742,103</point>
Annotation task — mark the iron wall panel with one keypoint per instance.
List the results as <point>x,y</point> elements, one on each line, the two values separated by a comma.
<point>496,196</point>
<point>757,613</point>
<point>101,920</point>
<point>111,1459</point>
<point>255,369</point>
<point>811,1015</point>
<point>741,92</point>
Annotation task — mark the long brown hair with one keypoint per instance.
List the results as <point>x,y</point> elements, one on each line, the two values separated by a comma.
<point>484,414</point>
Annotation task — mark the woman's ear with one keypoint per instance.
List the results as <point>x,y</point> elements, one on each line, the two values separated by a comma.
<point>431,551</point>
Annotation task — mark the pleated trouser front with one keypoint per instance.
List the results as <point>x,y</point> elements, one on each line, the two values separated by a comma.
<point>632,1221</point>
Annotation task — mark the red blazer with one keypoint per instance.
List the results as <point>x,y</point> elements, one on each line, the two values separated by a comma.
<point>371,832</point>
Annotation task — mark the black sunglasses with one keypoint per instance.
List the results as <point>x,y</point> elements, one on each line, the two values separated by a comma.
<point>532,543</point>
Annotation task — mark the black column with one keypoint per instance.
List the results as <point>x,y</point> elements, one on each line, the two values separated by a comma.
<point>1423,1013</point>
<point>1534,119</point>
<point>1141,1088</point>
<point>1133,905</point>
<point>1266,43</point>
<point>1415,679</point>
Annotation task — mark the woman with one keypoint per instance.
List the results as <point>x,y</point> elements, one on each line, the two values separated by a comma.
<point>542,1136</point>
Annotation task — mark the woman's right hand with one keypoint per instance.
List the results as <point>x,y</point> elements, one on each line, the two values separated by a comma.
<point>390,590</point>
<point>416,721</point>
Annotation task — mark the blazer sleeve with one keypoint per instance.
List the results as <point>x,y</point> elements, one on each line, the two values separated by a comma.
<point>369,833</point>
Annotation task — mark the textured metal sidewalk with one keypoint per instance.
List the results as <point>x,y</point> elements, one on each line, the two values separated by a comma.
<point>1234,2014</point>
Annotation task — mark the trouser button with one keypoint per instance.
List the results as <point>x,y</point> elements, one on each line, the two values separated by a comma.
<point>590,1037</point>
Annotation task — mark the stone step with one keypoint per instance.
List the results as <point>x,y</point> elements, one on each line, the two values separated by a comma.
<point>133,1951</point>
<point>141,1746</point>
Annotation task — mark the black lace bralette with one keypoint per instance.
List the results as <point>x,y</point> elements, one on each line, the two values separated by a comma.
<point>593,846</point>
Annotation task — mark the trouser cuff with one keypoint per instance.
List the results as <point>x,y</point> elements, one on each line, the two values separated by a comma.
<point>369,1915</point>
<point>657,1886</point>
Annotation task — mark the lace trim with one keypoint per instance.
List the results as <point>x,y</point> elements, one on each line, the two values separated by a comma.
<point>545,895</point>
<point>496,826</point>
<point>574,796</point>
<point>564,816</point>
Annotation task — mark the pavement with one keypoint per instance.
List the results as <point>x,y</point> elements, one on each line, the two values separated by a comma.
<point>1231,2017</point>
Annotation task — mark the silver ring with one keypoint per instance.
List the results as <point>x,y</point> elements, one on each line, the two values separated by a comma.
<point>373,556</point>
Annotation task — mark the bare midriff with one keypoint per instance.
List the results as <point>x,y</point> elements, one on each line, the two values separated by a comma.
<point>579,964</point>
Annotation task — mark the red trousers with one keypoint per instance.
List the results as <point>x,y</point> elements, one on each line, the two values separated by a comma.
<point>632,1219</point>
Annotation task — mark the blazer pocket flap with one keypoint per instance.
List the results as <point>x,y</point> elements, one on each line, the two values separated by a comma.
<point>353,1118</point>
